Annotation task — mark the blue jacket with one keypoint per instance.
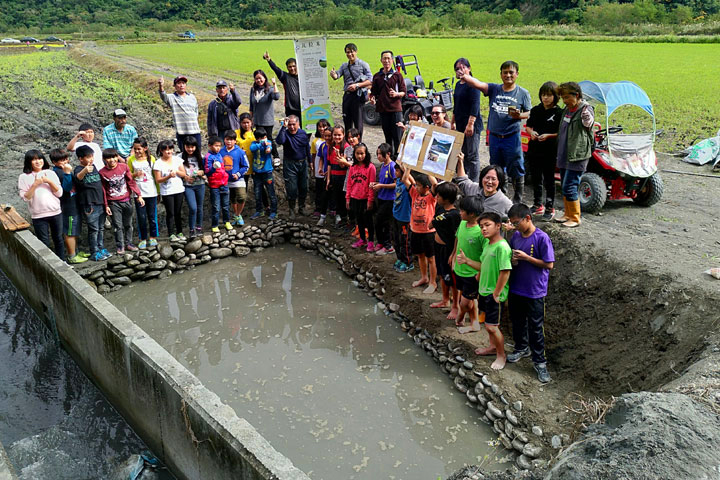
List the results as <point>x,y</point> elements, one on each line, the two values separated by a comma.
<point>235,161</point>
<point>295,147</point>
<point>262,161</point>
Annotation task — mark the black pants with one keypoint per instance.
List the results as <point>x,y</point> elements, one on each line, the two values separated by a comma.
<point>269,130</point>
<point>173,212</point>
<point>352,112</point>
<point>542,170</point>
<point>51,226</point>
<point>321,194</point>
<point>401,241</point>
<point>389,121</point>
<point>338,195</point>
<point>528,316</point>
<point>383,220</point>
<point>364,218</point>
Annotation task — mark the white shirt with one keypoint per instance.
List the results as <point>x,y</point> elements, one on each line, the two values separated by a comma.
<point>172,185</point>
<point>146,181</point>
<point>98,162</point>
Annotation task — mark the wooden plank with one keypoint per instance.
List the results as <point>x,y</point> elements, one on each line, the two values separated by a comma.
<point>11,219</point>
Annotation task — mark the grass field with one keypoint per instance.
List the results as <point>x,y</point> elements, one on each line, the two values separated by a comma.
<point>675,76</point>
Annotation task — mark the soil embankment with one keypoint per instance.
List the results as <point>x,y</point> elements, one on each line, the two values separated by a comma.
<point>629,309</point>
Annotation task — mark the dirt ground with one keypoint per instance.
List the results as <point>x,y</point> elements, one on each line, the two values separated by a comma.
<point>629,307</point>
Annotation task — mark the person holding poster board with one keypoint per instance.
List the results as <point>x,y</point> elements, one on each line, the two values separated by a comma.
<point>314,95</point>
<point>290,82</point>
<point>431,150</point>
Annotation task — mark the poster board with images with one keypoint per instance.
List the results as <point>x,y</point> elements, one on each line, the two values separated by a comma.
<point>430,149</point>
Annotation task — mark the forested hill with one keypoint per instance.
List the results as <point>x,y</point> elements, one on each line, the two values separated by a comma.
<point>338,15</point>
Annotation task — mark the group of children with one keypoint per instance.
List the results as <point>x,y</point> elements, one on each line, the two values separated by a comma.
<point>106,185</point>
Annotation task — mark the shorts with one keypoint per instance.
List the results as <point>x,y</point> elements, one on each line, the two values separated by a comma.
<point>487,304</point>
<point>442,255</point>
<point>468,286</point>
<point>423,243</point>
<point>238,194</point>
<point>71,224</point>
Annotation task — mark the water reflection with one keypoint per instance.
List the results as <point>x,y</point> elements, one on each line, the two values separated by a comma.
<point>306,357</point>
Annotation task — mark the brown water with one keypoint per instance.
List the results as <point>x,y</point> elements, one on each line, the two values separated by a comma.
<point>332,383</point>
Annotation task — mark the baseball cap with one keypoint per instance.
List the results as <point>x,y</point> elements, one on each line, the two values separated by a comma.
<point>180,78</point>
<point>221,83</point>
<point>119,112</point>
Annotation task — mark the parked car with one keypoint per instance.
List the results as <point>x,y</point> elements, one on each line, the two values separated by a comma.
<point>188,34</point>
<point>9,40</point>
<point>29,40</point>
<point>53,39</point>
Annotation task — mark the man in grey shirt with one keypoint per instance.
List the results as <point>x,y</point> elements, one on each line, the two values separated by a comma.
<point>184,108</point>
<point>358,77</point>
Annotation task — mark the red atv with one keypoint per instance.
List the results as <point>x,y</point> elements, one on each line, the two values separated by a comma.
<point>622,165</point>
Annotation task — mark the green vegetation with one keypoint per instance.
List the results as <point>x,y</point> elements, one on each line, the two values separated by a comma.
<point>143,17</point>
<point>671,74</point>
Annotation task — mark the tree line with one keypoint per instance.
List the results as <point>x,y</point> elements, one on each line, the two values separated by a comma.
<point>411,16</point>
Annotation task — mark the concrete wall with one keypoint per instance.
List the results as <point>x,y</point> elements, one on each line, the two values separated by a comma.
<point>186,425</point>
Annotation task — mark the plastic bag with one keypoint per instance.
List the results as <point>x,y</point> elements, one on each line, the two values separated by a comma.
<point>703,152</point>
<point>715,272</point>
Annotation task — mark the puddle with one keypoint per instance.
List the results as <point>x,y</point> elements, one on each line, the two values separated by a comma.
<point>308,359</point>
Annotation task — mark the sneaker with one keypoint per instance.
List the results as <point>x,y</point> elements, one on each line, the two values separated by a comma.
<point>332,213</point>
<point>199,230</point>
<point>338,219</point>
<point>537,209</point>
<point>389,249</point>
<point>239,220</point>
<point>76,259</point>
<point>84,254</point>
<point>385,251</point>
<point>173,238</point>
<point>180,236</point>
<point>359,244</point>
<point>410,267</point>
<point>132,248</point>
<point>120,251</point>
<point>356,233</point>
<point>215,229</point>
<point>273,216</point>
<point>515,356</point>
<point>142,244</point>
<point>377,247</point>
<point>321,222</point>
<point>549,214</point>
<point>396,264</point>
<point>542,372</point>
<point>257,215</point>
<point>105,254</point>
<point>153,242</point>
<point>404,267</point>
<point>370,247</point>
<point>228,226</point>
<point>97,257</point>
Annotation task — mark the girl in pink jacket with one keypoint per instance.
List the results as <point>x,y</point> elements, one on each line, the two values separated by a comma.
<point>359,196</point>
<point>40,188</point>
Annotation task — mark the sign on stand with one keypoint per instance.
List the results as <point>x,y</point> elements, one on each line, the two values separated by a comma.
<point>430,149</point>
<point>312,72</point>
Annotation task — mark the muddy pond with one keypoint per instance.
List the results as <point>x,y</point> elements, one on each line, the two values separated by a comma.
<point>310,361</point>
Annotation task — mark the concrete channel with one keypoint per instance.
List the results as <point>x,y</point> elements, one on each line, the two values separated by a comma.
<point>189,428</point>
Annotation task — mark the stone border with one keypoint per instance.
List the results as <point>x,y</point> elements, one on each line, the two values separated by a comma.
<point>183,422</point>
<point>496,410</point>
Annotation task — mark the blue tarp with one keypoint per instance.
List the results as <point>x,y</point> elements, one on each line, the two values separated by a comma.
<point>616,94</point>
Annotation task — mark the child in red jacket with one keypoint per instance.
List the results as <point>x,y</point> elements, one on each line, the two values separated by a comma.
<point>359,196</point>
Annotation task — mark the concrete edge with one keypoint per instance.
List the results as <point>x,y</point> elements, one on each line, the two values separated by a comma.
<point>6,469</point>
<point>183,422</point>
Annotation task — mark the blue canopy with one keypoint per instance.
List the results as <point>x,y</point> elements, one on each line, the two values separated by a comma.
<point>614,95</point>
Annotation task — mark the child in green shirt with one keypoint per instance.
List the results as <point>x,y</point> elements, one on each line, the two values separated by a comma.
<point>494,266</point>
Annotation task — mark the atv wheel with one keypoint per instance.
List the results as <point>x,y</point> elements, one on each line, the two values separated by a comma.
<point>370,115</point>
<point>651,193</point>
<point>592,193</point>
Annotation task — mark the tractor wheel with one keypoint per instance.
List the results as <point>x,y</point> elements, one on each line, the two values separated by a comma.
<point>370,115</point>
<point>592,193</point>
<point>651,193</point>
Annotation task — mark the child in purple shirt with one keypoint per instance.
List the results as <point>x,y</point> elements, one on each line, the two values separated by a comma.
<point>533,258</point>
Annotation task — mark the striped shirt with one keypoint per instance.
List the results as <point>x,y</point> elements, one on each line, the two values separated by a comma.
<point>120,141</point>
<point>184,112</point>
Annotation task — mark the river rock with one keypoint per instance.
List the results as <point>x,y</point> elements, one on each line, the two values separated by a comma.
<point>116,260</point>
<point>142,267</point>
<point>220,252</point>
<point>193,245</point>
<point>241,251</point>
<point>108,274</point>
<point>124,272</point>
<point>95,275</point>
<point>103,289</point>
<point>556,441</point>
<point>518,406</point>
<point>537,430</point>
<point>178,254</point>
<point>517,444</point>
<point>155,257</point>
<point>165,273</point>
<point>159,265</point>
<point>124,280</point>
<point>523,463</point>
<point>531,451</point>
<point>511,417</point>
<point>128,256</point>
<point>183,261</point>
<point>137,275</point>
<point>494,410</point>
<point>505,441</point>
<point>133,263</point>
<point>151,274</point>
<point>99,281</point>
<point>166,252</point>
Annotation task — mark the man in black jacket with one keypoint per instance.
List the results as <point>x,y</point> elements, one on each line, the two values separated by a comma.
<point>223,110</point>
<point>291,83</point>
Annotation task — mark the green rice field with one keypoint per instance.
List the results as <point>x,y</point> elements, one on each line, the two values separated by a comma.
<point>678,78</point>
